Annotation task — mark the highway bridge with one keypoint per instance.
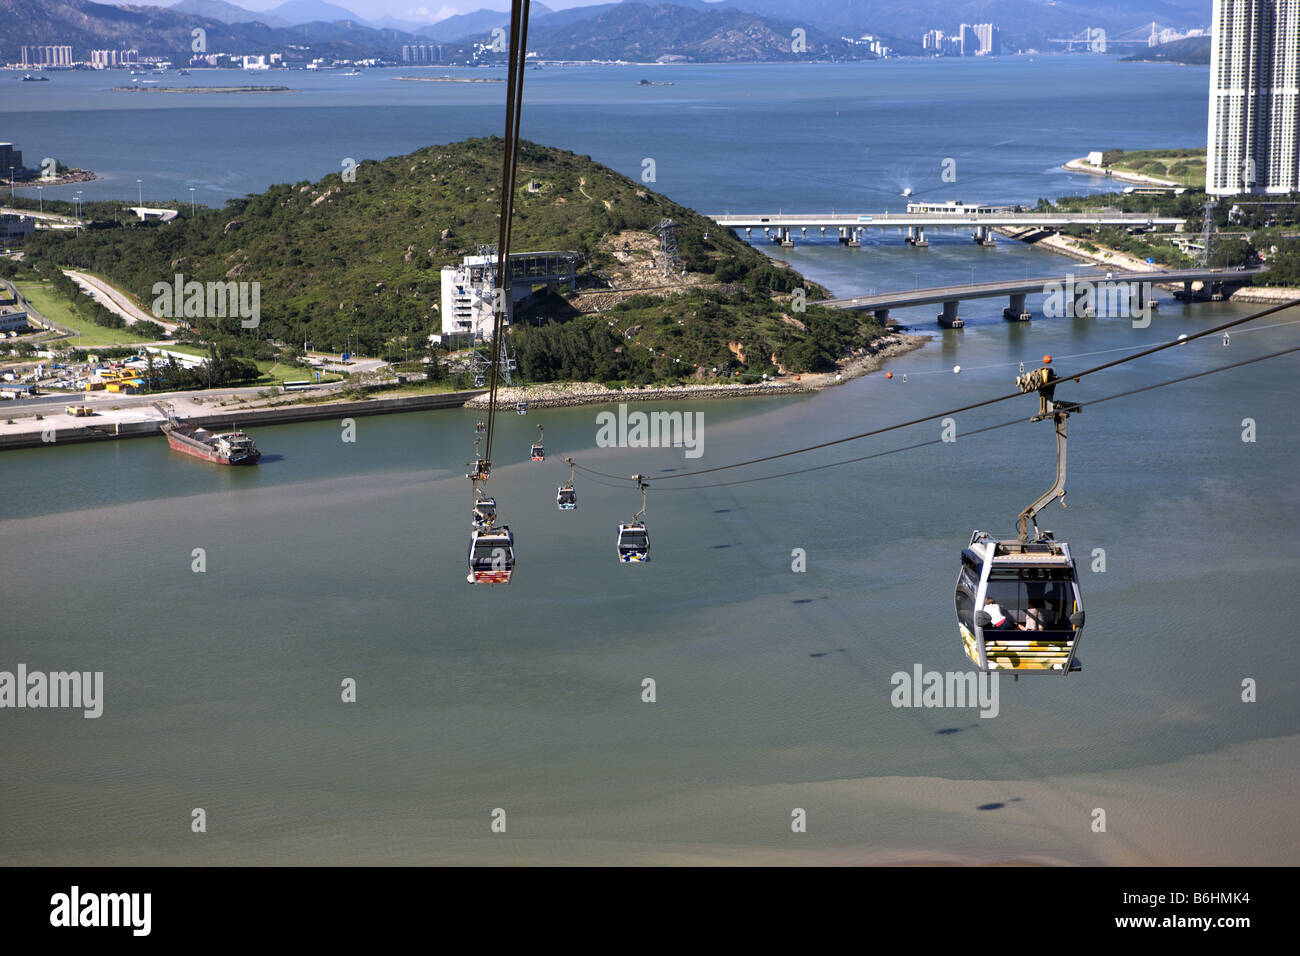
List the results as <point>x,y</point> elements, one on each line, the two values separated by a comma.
<point>982,219</point>
<point>1111,294</point>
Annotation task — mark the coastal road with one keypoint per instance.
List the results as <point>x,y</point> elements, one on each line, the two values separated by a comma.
<point>115,300</point>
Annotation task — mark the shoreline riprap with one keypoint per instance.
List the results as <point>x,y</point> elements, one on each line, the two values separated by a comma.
<point>569,394</point>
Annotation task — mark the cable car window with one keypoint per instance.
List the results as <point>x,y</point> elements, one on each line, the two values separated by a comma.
<point>1035,598</point>
<point>966,608</point>
<point>491,555</point>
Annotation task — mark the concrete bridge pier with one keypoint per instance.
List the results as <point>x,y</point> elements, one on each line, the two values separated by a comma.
<point>1016,311</point>
<point>983,235</point>
<point>882,316</point>
<point>748,232</point>
<point>786,241</point>
<point>916,236</point>
<point>1140,298</point>
<point>948,317</point>
<point>844,236</point>
<point>823,232</point>
<point>803,232</point>
<point>855,238</point>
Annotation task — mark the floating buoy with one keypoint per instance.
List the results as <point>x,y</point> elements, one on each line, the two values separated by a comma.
<point>1022,368</point>
<point>889,375</point>
<point>1047,360</point>
<point>956,370</point>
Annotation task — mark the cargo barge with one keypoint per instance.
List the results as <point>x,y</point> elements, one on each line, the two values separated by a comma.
<point>224,448</point>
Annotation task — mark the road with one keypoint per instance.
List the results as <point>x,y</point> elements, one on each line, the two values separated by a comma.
<point>115,300</point>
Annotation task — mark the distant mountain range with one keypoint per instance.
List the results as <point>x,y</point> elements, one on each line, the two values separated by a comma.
<point>692,30</point>
<point>227,12</point>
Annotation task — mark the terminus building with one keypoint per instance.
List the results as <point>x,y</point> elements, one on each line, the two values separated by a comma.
<point>469,289</point>
<point>1254,98</point>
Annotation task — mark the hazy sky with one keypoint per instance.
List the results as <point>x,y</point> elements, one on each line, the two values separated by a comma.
<point>416,11</point>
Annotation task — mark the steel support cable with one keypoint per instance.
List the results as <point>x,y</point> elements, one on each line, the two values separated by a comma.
<point>501,292</point>
<point>966,408</point>
<point>938,441</point>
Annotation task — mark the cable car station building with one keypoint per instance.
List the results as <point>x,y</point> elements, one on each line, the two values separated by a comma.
<point>468,290</point>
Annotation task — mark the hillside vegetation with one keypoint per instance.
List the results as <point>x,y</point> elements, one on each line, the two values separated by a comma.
<point>341,260</point>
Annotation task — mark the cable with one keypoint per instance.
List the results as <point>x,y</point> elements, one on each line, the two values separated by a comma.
<point>939,441</point>
<point>514,110</point>
<point>976,431</point>
<point>966,408</point>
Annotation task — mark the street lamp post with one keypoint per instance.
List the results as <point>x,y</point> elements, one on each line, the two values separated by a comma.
<point>40,193</point>
<point>191,202</point>
<point>140,190</point>
<point>11,182</point>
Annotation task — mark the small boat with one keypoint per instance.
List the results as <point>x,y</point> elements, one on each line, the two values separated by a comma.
<point>35,79</point>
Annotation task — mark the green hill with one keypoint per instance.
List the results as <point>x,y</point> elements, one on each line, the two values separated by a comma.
<point>360,259</point>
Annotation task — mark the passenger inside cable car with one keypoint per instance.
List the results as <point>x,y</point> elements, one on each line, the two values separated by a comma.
<point>538,452</point>
<point>1042,595</point>
<point>566,498</point>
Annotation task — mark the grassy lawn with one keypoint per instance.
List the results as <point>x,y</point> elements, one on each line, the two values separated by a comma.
<point>56,308</point>
<point>279,373</point>
<point>1183,166</point>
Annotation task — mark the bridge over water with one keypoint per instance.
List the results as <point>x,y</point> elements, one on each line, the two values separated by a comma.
<point>982,219</point>
<point>1111,293</point>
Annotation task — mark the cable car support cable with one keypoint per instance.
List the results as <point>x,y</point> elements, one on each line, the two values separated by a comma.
<point>971,407</point>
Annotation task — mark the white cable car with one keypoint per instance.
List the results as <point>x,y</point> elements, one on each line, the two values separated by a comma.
<point>538,452</point>
<point>633,541</point>
<point>1019,609</point>
<point>491,556</point>
<point>566,498</point>
<point>521,408</point>
<point>485,512</point>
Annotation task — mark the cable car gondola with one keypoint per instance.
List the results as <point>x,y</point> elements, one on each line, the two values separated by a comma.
<point>480,427</point>
<point>1018,605</point>
<point>491,556</point>
<point>521,408</point>
<point>566,498</point>
<point>485,512</point>
<point>538,452</point>
<point>1019,608</point>
<point>633,539</point>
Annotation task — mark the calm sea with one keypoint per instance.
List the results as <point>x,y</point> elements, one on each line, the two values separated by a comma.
<point>336,560</point>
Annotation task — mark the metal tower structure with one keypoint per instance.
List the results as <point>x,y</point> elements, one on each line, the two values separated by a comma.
<point>667,230</point>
